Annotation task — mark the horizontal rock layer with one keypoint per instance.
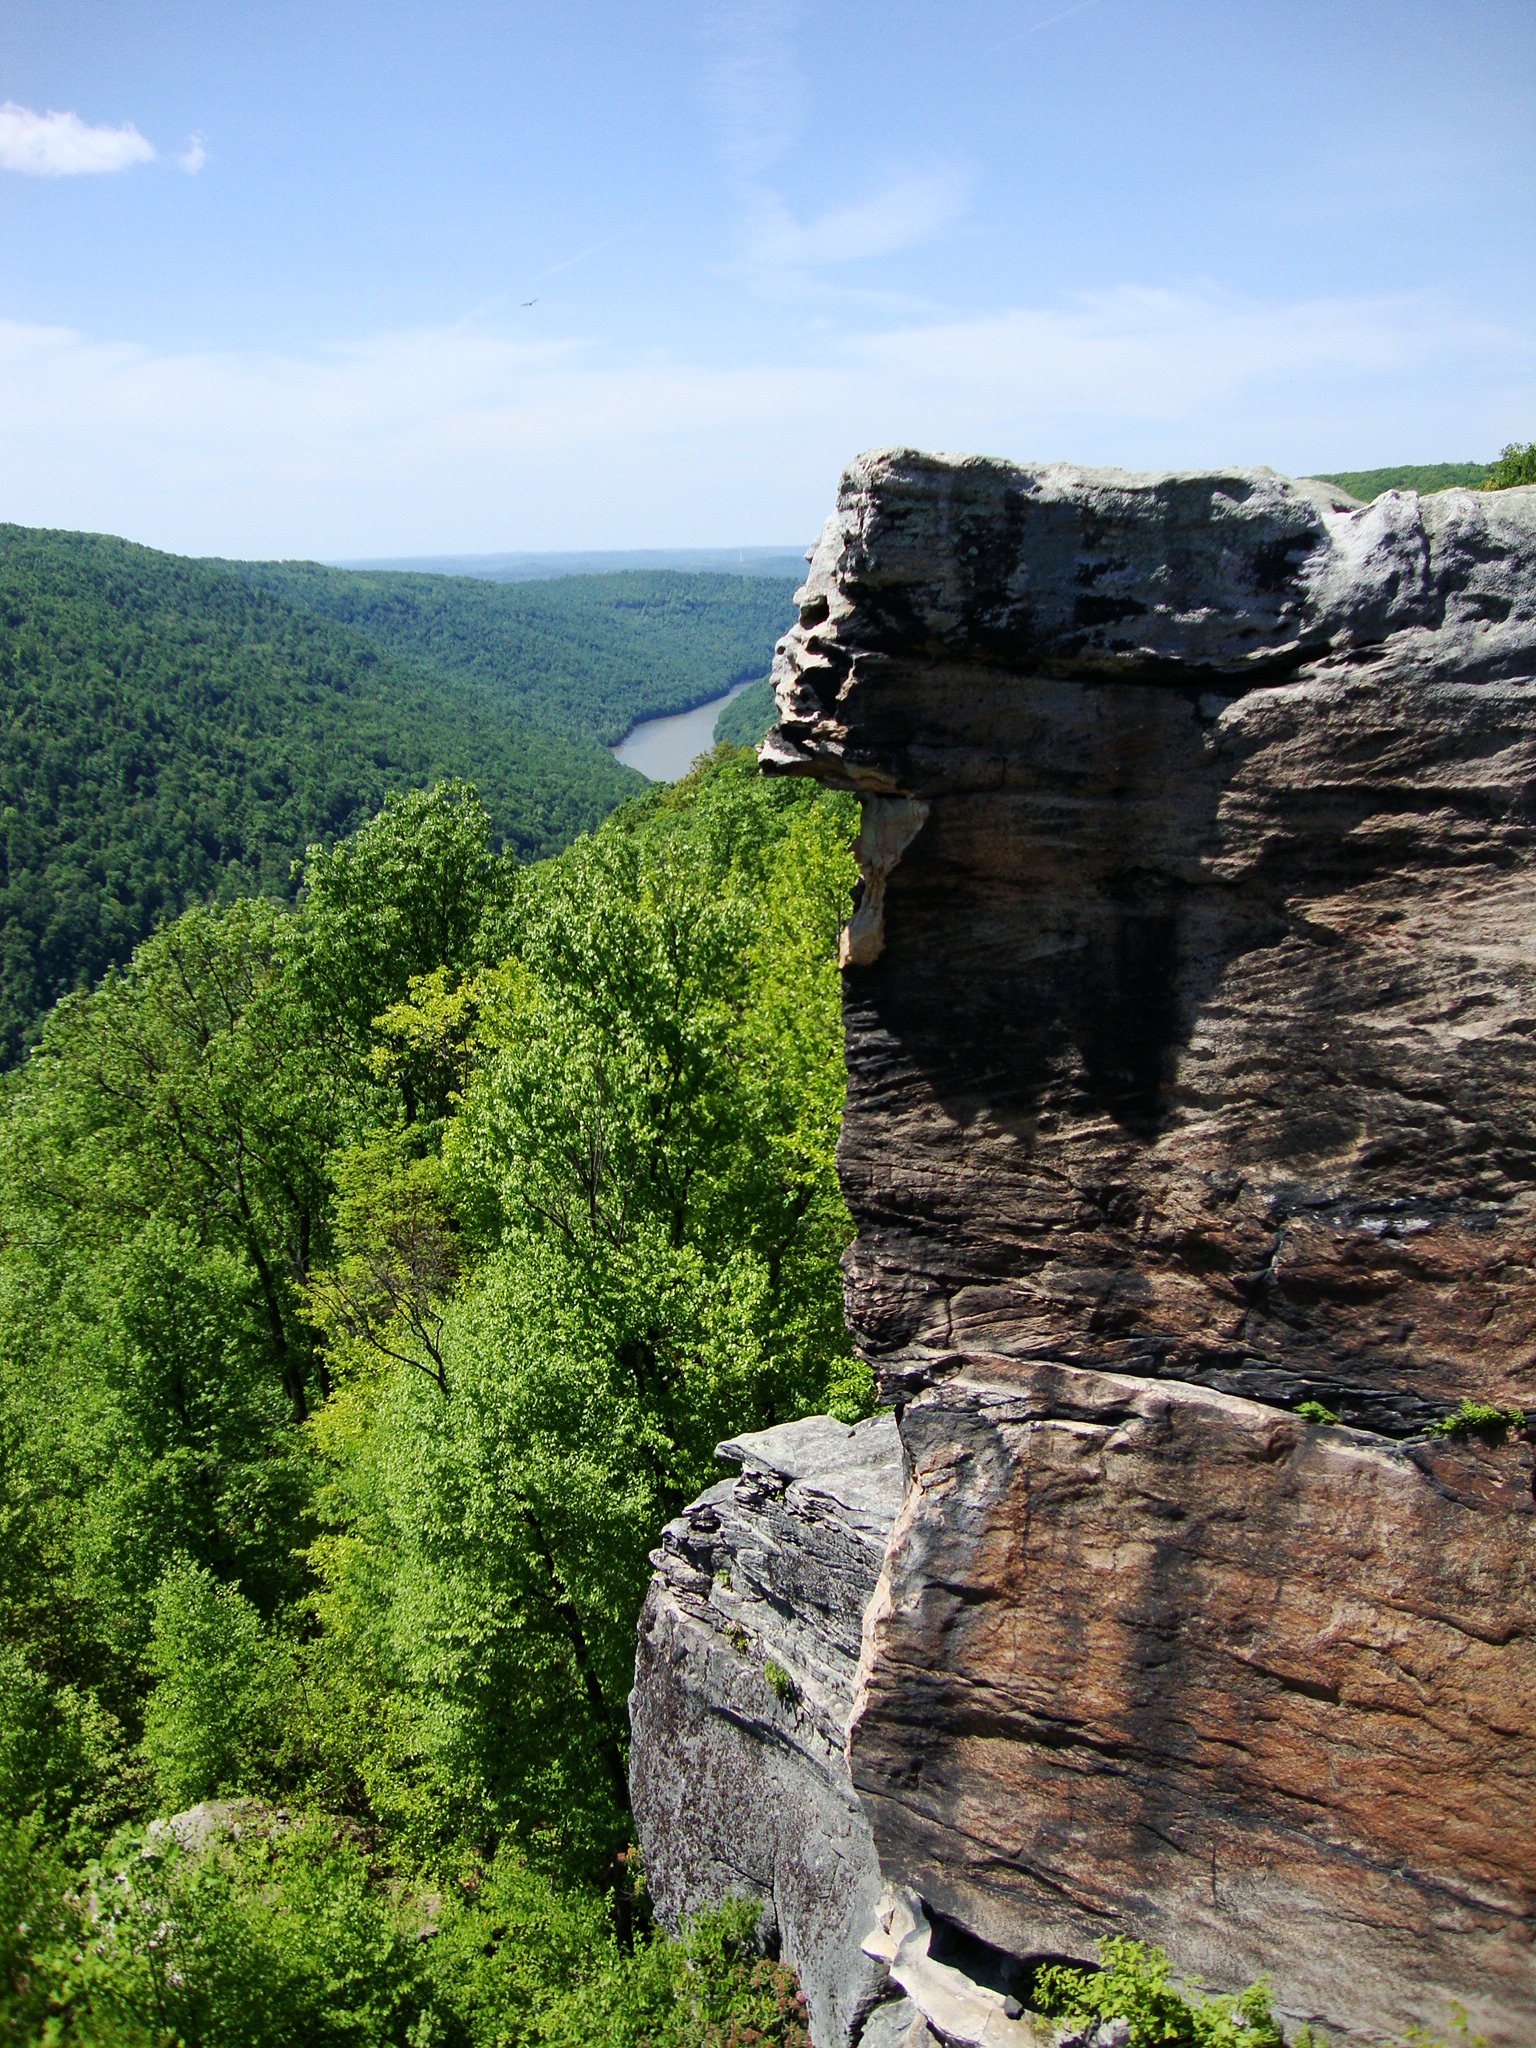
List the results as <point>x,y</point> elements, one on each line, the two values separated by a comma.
<point>1189,1010</point>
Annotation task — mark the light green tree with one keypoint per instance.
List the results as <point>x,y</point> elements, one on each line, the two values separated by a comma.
<point>1516,465</point>
<point>416,892</point>
<point>224,1690</point>
<point>162,1194</point>
<point>185,1091</point>
<point>643,1196</point>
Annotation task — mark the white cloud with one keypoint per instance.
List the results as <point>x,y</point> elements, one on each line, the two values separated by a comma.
<point>194,156</point>
<point>907,211</point>
<point>1181,356</point>
<point>753,87</point>
<point>56,145</point>
<point>463,439</point>
<point>756,96</point>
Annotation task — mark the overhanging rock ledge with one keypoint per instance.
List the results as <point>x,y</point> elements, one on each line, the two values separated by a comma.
<point>1189,1018</point>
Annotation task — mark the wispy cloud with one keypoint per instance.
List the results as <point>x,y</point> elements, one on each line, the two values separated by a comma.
<point>753,85</point>
<point>757,97</point>
<point>54,145</point>
<point>467,438</point>
<point>194,156</point>
<point>906,211</point>
<point>1167,355</point>
<point>570,262</point>
<point>1034,28</point>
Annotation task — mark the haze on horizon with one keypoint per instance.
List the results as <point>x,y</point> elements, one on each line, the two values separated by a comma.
<point>265,269</point>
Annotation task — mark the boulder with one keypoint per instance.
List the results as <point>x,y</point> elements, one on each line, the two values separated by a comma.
<point>747,1648</point>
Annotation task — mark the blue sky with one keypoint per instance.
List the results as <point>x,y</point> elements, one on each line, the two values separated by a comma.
<point>262,280</point>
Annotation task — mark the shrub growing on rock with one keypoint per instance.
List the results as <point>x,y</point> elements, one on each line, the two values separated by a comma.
<point>1134,1982</point>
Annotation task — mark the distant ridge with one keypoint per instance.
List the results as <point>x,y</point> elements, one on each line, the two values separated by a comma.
<point>177,730</point>
<point>535,568</point>
<point>588,656</point>
<point>1366,484</point>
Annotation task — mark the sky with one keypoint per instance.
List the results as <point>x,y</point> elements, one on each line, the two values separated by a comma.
<point>265,271</point>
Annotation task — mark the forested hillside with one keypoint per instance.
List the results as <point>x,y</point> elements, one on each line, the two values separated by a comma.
<point>376,1277</point>
<point>172,732</point>
<point>746,718</point>
<point>583,655</point>
<point>1366,484</point>
<point>1516,465</point>
<point>178,730</point>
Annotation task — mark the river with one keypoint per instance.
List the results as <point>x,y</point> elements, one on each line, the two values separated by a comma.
<point>663,749</point>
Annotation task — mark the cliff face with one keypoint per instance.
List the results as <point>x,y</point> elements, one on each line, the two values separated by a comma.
<point>1189,1014</point>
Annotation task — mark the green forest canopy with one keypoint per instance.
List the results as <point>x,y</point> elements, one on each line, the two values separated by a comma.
<point>376,1277</point>
<point>177,731</point>
<point>1366,484</point>
<point>583,655</point>
<point>746,718</point>
<point>1515,465</point>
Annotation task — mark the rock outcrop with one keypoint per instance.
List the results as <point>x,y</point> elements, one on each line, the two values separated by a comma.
<point>743,1684</point>
<point>1189,1008</point>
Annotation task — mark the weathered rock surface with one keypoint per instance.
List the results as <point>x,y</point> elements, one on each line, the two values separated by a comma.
<point>740,1785</point>
<point>935,1997</point>
<point>1150,1659</point>
<point>1189,1008</point>
<point>1199,1040</point>
<point>1189,1020</point>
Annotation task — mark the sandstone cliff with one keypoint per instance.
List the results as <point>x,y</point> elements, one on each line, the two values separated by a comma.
<point>1189,1013</point>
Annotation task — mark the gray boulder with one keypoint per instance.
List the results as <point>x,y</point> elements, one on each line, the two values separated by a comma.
<point>747,1649</point>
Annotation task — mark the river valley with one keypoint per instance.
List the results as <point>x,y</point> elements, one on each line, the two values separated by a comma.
<point>664,749</point>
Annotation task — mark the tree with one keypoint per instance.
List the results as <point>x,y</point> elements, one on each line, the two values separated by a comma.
<point>377,1277</point>
<point>215,1720</point>
<point>409,895</point>
<point>162,1193</point>
<point>640,1195</point>
<point>186,1089</point>
<point>1516,465</point>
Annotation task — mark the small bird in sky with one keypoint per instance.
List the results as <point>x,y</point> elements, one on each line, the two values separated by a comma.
<point>530,302</point>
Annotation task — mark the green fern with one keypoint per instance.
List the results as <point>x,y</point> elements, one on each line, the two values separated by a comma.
<point>1478,1418</point>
